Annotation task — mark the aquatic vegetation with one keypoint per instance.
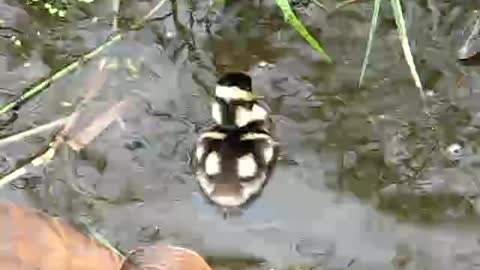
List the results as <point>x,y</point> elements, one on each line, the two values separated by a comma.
<point>56,7</point>
<point>399,20</point>
<point>291,18</point>
<point>402,32</point>
<point>373,27</point>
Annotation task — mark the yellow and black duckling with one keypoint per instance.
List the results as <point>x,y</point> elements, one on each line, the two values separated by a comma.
<point>235,157</point>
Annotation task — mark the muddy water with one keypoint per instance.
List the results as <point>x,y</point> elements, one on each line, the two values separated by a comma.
<point>369,178</point>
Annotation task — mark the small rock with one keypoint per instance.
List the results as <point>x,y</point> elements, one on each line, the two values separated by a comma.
<point>265,64</point>
<point>170,34</point>
<point>314,248</point>
<point>349,159</point>
<point>455,151</point>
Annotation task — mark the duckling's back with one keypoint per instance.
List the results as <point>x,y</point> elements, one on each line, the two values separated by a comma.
<point>234,165</point>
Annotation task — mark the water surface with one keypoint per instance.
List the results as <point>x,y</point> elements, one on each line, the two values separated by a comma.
<point>368,179</point>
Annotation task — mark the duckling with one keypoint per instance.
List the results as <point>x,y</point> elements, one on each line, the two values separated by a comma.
<point>235,156</point>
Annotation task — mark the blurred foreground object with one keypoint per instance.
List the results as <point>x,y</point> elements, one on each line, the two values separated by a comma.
<point>32,240</point>
<point>164,257</point>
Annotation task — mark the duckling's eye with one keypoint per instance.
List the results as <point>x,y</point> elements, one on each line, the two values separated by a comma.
<point>246,166</point>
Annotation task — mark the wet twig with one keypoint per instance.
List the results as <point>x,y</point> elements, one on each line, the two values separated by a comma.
<point>322,6</point>
<point>97,125</point>
<point>160,18</point>
<point>344,3</point>
<point>34,131</point>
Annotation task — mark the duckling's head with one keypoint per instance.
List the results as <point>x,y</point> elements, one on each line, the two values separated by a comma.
<point>239,80</point>
<point>235,105</point>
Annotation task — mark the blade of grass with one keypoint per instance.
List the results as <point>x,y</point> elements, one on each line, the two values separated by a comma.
<point>402,31</point>
<point>373,27</point>
<point>291,18</point>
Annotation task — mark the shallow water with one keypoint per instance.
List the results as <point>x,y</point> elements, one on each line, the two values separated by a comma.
<point>368,179</point>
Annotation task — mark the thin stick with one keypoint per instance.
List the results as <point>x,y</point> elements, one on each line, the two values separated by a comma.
<point>13,175</point>
<point>154,9</point>
<point>39,160</point>
<point>373,26</point>
<point>322,6</point>
<point>98,125</point>
<point>93,86</point>
<point>19,136</point>
<point>344,3</point>
<point>44,84</point>
<point>407,52</point>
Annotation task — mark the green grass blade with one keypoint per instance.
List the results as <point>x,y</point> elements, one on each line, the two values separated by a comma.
<point>297,24</point>
<point>402,31</point>
<point>373,27</point>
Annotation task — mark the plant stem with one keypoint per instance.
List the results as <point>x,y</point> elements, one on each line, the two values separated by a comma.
<point>33,131</point>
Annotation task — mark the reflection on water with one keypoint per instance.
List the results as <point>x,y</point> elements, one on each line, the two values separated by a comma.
<point>365,179</point>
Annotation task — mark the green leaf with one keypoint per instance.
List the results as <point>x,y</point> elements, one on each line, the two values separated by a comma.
<point>402,31</point>
<point>297,24</point>
<point>373,27</point>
